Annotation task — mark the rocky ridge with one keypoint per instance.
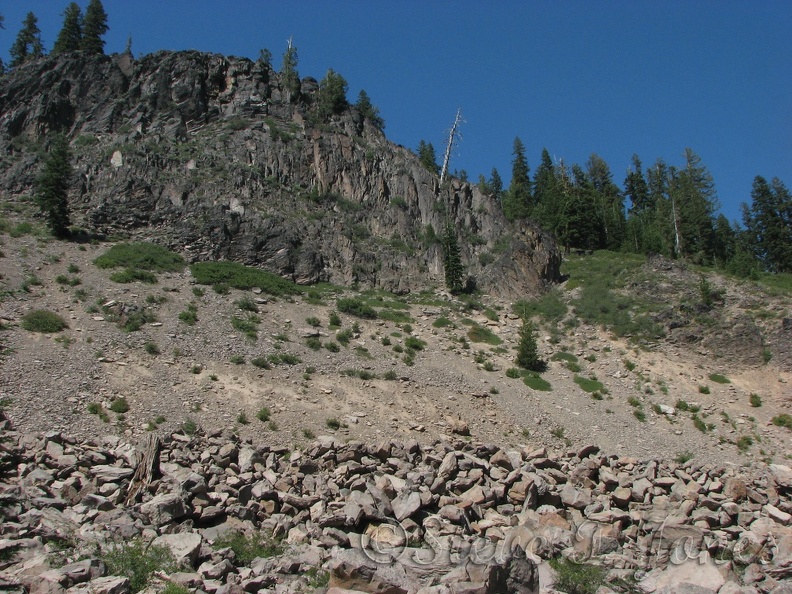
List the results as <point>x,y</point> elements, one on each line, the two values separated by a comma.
<point>393,517</point>
<point>211,156</point>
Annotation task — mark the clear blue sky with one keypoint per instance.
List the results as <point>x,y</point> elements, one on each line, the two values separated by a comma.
<point>613,78</point>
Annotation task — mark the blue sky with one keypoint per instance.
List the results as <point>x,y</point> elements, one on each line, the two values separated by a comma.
<point>578,77</point>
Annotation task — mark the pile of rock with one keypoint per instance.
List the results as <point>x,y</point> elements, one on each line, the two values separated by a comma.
<point>386,517</point>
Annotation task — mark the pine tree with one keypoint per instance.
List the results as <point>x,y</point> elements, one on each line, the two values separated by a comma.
<point>452,260</point>
<point>27,45</point>
<point>517,200</point>
<point>608,201</point>
<point>52,187</point>
<point>94,27</point>
<point>695,202</point>
<point>289,75</point>
<point>527,348</point>
<point>768,224</point>
<point>70,36</point>
<point>369,111</point>
<point>428,157</point>
<point>636,188</point>
<point>331,99</point>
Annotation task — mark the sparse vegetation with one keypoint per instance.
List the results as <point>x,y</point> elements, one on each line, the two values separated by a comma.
<point>119,405</point>
<point>238,276</point>
<point>588,385</point>
<point>756,400</point>
<point>248,547</point>
<point>719,379</point>
<point>263,414</point>
<point>43,321</point>
<point>575,578</point>
<point>138,561</point>
<point>356,307</point>
<point>481,334</point>
<point>782,420</point>
<point>703,389</point>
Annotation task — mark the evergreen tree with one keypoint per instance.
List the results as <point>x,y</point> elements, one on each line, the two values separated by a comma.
<point>768,224</point>
<point>527,349</point>
<point>52,187</point>
<point>452,260</point>
<point>427,157</point>
<point>369,111</point>
<point>265,57</point>
<point>517,200</point>
<point>94,27</point>
<point>609,202</point>
<point>332,95</point>
<point>27,45</point>
<point>636,188</point>
<point>70,36</point>
<point>695,203</point>
<point>724,241</point>
<point>289,75</point>
<point>548,196</point>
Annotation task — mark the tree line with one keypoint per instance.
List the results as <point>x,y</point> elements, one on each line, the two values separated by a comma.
<point>80,31</point>
<point>662,209</point>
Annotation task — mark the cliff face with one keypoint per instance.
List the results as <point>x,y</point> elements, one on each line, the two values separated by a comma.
<point>211,156</point>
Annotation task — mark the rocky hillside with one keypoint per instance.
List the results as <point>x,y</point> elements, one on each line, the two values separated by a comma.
<point>211,156</point>
<point>216,514</point>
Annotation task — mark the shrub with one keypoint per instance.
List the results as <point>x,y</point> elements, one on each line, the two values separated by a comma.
<point>237,359</point>
<point>242,418</point>
<point>198,291</point>
<point>744,442</point>
<point>719,379</point>
<point>704,389</point>
<point>640,415</point>
<point>356,307</point>
<point>314,343</point>
<point>415,344</point>
<point>42,320</point>
<point>756,400</point>
<point>242,277</point>
<point>332,346</point>
<point>151,348</point>
<point>130,275</point>
<point>138,562</point>
<point>263,414</point>
<point>137,319</point>
<point>248,326</point>
<point>333,424</point>
<point>480,334</point>
<point>260,362</point>
<point>249,547</point>
<point>344,336</point>
<point>313,321</point>
<point>141,256</point>
<point>190,315</point>
<point>189,427</point>
<point>575,578</point>
<point>683,457</point>
<point>527,349</point>
<point>390,375</point>
<point>629,365</point>
<point>533,381</point>
<point>442,322</point>
<point>564,356</point>
<point>782,420</point>
<point>334,319</point>
<point>588,385</point>
<point>247,304</point>
<point>119,405</point>
<point>513,373</point>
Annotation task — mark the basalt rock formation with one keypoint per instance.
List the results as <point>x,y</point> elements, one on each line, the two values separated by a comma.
<point>212,156</point>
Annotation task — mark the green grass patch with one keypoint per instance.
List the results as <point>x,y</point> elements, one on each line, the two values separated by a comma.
<point>443,322</point>
<point>481,334</point>
<point>719,379</point>
<point>249,547</point>
<point>549,307</point>
<point>44,321</point>
<point>588,385</point>
<point>756,400</point>
<point>396,316</point>
<point>356,307</point>
<point>416,344</point>
<point>782,420</point>
<point>575,578</point>
<point>239,276</point>
<point>248,325</point>
<point>564,356</point>
<point>141,256</point>
<point>138,562</point>
<point>131,275</point>
<point>536,382</point>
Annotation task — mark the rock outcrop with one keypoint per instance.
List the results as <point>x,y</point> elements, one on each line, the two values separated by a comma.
<point>211,156</point>
<point>387,517</point>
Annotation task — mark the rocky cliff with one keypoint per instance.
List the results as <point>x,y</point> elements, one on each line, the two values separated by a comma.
<point>212,156</point>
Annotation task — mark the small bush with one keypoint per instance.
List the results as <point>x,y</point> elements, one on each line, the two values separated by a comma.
<point>513,373</point>
<point>198,291</point>
<point>575,578</point>
<point>744,442</point>
<point>247,304</point>
<point>629,365</point>
<point>535,382</point>
<point>189,316</point>
<point>42,320</point>
<point>189,427</point>
<point>314,343</point>
<point>782,420</point>
<point>390,375</point>
<point>485,335</point>
<point>130,275</point>
<point>442,322</point>
<point>683,457</point>
<point>141,256</point>
<point>242,418</point>
<point>237,359</point>
<point>704,389</point>
<point>640,415</point>
<point>719,379</point>
<point>334,319</point>
<point>588,385</point>
<point>356,307</point>
<point>260,362</point>
<point>756,400</point>
<point>313,321</point>
<point>332,346</point>
<point>415,344</point>
<point>248,326</point>
<point>238,276</point>
<point>151,348</point>
<point>119,405</point>
<point>308,434</point>
<point>249,547</point>
<point>138,562</point>
<point>344,336</point>
<point>136,320</point>
<point>564,356</point>
<point>263,414</point>
<point>333,424</point>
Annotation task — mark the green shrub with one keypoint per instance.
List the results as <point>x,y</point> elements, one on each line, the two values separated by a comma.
<point>535,382</point>
<point>782,420</point>
<point>138,562</point>
<point>249,547</point>
<point>119,405</point>
<point>247,304</point>
<point>238,276</point>
<point>242,418</point>
<point>564,356</point>
<point>263,414</point>
<point>415,344</point>
<point>344,336</point>
<point>629,365</point>
<point>390,375</point>
<point>190,315</point>
<point>356,307</point>
<point>248,326</point>
<point>237,359</point>
<point>640,415</point>
<point>756,400</point>
<point>151,348</point>
<point>574,578</point>
<point>313,321</point>
<point>332,346</point>
<point>704,389</point>
<point>130,275</point>
<point>480,334</point>
<point>719,379</point>
<point>189,427</point>
<point>141,256</point>
<point>550,307</point>
<point>42,320</point>
<point>198,291</point>
<point>588,385</point>
<point>744,442</point>
<point>442,322</point>
<point>513,373</point>
<point>683,457</point>
<point>260,362</point>
<point>137,319</point>
<point>333,424</point>
<point>334,319</point>
<point>314,343</point>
